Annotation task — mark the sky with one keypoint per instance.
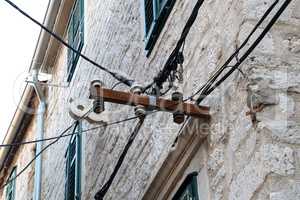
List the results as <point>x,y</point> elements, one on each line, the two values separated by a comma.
<point>18,38</point>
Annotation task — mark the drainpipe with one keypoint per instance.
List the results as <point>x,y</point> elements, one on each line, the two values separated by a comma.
<point>38,58</point>
<point>39,136</point>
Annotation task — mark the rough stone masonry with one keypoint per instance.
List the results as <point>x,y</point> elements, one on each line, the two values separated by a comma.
<point>247,159</point>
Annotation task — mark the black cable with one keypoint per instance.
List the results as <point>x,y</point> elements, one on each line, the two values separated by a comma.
<point>242,59</point>
<point>205,93</point>
<point>241,71</point>
<point>56,140</point>
<point>239,62</point>
<point>227,62</point>
<point>234,55</point>
<point>44,149</point>
<point>101,193</point>
<point>115,85</point>
<point>34,158</point>
<point>165,92</point>
<point>105,188</point>
<point>117,76</point>
<point>171,63</point>
<point>66,135</point>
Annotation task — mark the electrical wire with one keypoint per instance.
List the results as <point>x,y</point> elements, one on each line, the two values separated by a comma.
<point>210,86</point>
<point>44,149</point>
<point>62,135</point>
<point>115,85</point>
<point>34,158</point>
<point>66,135</point>
<point>117,76</point>
<point>165,92</point>
<point>56,140</point>
<point>171,63</point>
<point>101,193</point>
<point>235,54</point>
<point>209,90</point>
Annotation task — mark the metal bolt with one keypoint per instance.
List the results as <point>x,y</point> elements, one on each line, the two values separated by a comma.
<point>98,106</point>
<point>178,116</point>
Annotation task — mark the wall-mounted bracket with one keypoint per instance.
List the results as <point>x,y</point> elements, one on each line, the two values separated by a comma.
<point>82,109</point>
<point>149,102</point>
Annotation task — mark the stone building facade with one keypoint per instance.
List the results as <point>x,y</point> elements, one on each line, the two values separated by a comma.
<point>235,157</point>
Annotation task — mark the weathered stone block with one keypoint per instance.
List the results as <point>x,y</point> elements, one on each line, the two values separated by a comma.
<point>269,159</point>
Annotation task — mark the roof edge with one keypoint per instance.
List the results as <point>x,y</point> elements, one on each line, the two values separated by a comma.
<point>38,58</point>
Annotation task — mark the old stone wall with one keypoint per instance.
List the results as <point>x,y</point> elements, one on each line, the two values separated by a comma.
<point>22,156</point>
<point>246,159</point>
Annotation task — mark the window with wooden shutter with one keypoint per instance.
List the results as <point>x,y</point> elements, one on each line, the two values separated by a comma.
<point>75,35</point>
<point>156,15</point>
<point>188,190</point>
<point>148,14</point>
<point>11,187</point>
<point>73,166</point>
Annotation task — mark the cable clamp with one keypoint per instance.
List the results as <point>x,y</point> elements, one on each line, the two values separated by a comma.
<point>152,101</point>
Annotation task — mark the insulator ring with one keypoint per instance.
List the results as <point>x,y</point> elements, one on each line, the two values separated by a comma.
<point>140,111</point>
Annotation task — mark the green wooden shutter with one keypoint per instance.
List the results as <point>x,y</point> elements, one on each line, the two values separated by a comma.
<point>73,167</point>
<point>70,41</point>
<point>11,187</point>
<point>156,14</point>
<point>189,189</point>
<point>149,17</point>
<point>161,4</point>
<point>75,35</point>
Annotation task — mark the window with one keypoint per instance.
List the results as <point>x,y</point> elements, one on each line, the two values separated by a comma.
<point>73,166</point>
<point>188,190</point>
<point>11,187</point>
<point>156,14</point>
<point>75,35</point>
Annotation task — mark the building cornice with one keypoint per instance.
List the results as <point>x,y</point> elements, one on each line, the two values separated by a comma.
<point>177,160</point>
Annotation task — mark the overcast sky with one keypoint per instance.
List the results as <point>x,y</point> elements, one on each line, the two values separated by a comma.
<point>18,38</point>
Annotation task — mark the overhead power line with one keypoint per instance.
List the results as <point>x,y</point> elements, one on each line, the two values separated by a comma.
<point>211,84</point>
<point>102,192</point>
<point>35,157</point>
<point>57,138</point>
<point>207,88</point>
<point>66,135</point>
<point>44,149</point>
<point>237,51</point>
<point>234,55</point>
<point>176,57</point>
<point>204,93</point>
<point>116,75</point>
<point>39,153</point>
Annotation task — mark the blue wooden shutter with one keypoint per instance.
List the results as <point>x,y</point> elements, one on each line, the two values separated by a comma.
<point>11,187</point>
<point>75,35</point>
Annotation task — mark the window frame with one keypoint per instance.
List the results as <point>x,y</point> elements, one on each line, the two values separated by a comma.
<point>75,160</point>
<point>190,181</point>
<point>72,57</point>
<point>160,16</point>
<point>11,187</point>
